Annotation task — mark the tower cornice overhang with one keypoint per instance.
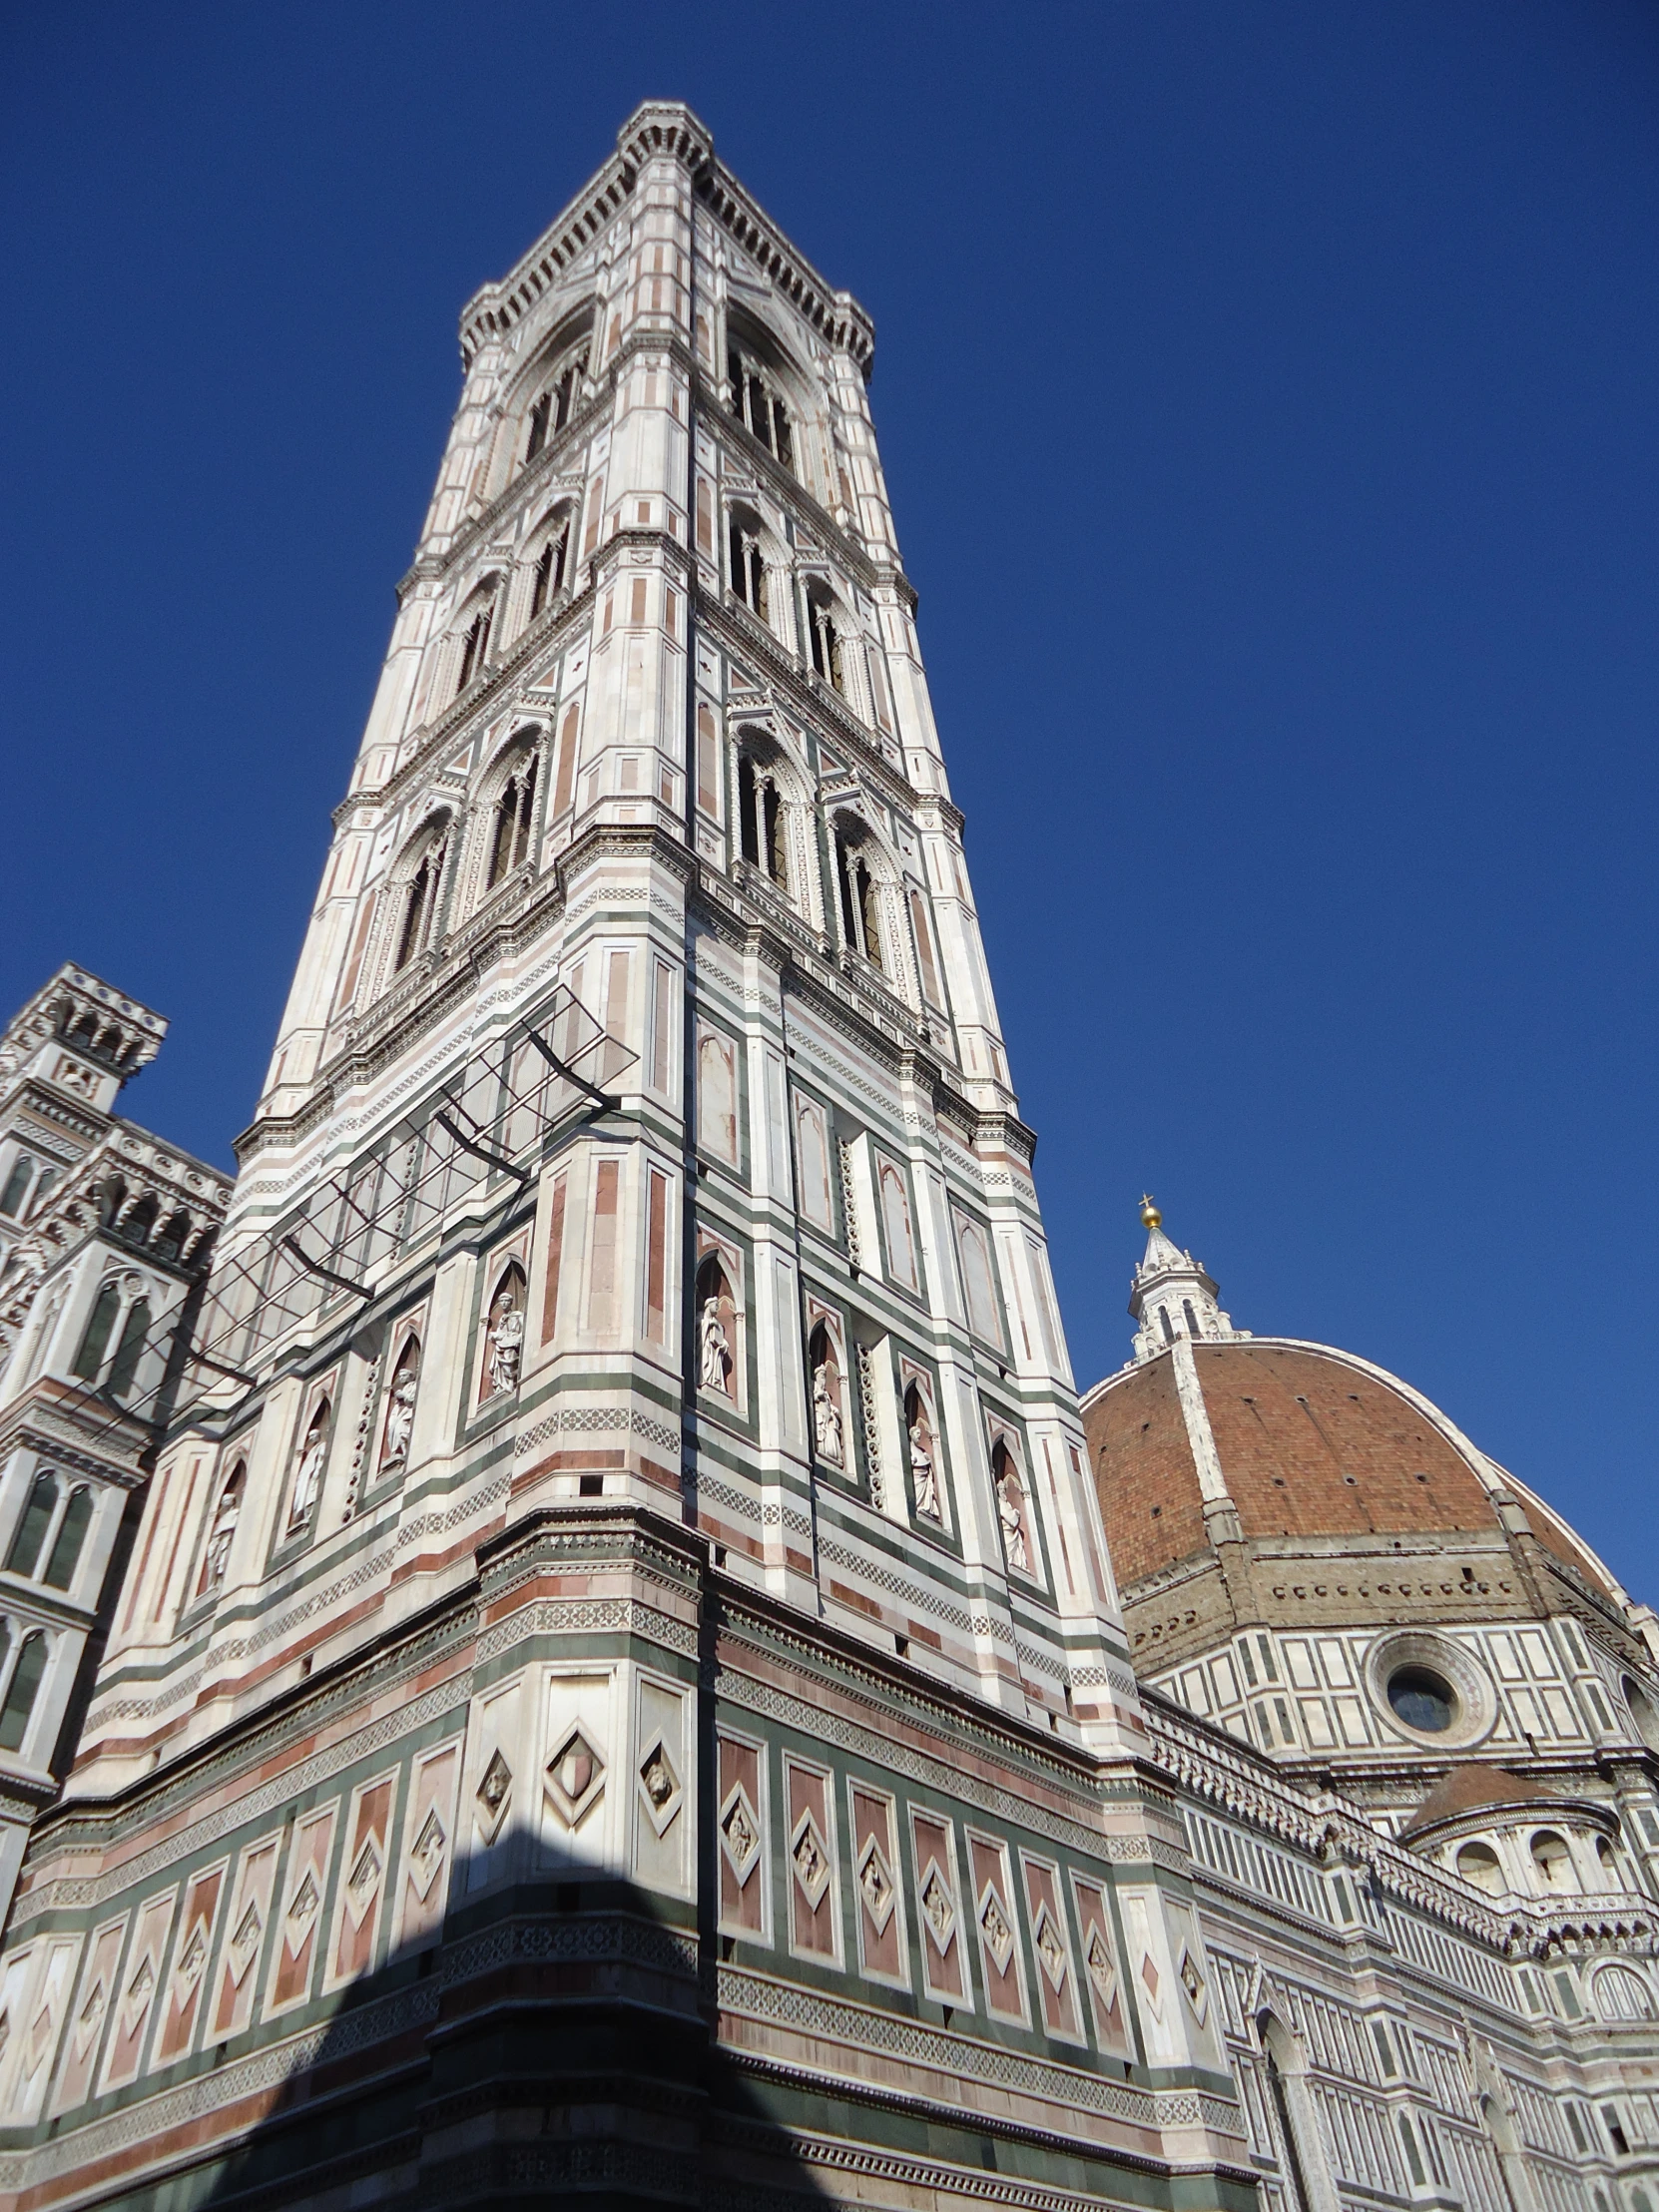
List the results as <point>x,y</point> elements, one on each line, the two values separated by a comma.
<point>656,128</point>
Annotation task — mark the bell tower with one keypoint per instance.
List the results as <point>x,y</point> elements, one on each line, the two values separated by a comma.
<point>630,1509</point>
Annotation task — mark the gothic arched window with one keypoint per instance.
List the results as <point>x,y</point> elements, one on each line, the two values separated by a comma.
<point>124,1366</point>
<point>761,822</point>
<point>825,641</point>
<point>89,1360</point>
<point>24,1554</point>
<point>475,645</point>
<point>756,402</point>
<point>540,416</point>
<point>549,574</point>
<point>514,810</point>
<point>17,1184</point>
<point>21,1690</point>
<point>861,900</point>
<point>65,1545</point>
<point>420,901</point>
<point>748,569</point>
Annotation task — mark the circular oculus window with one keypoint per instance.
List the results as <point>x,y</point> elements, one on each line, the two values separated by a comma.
<point>1423,1699</point>
<point>1430,1688</point>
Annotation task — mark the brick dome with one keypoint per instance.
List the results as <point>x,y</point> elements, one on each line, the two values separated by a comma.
<point>1309,1442</point>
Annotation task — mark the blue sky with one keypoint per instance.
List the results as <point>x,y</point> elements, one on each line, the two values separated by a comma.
<point>1267,398</point>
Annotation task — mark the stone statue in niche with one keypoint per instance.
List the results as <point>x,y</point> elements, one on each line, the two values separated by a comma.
<point>922,1472</point>
<point>1008,1503</point>
<point>401,1415</point>
<point>714,1365</point>
<point>506,1345</point>
<point>826,1417</point>
<point>308,1482</point>
<point>219,1536</point>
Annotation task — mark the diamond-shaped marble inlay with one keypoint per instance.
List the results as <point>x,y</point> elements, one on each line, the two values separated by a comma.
<point>245,1943</point>
<point>575,1776</point>
<point>304,1908</point>
<point>193,1961</point>
<point>1051,1949</point>
<point>994,1925</point>
<point>362,1884</point>
<point>1097,1957</point>
<point>493,1792</point>
<point>876,1886</point>
<point>91,2017</point>
<point>659,1787</point>
<point>809,1856</point>
<point>1192,1985</point>
<point>39,2040</point>
<point>139,1992</point>
<point>426,1855</point>
<point>1151,1977</point>
<point>739,1832</point>
<point>939,1907</point>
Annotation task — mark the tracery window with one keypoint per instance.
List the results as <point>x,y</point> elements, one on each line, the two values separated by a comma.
<point>29,1537</point>
<point>760,821</point>
<point>21,1691</point>
<point>89,1360</point>
<point>420,900</point>
<point>17,1184</point>
<point>548,575</point>
<point>825,641</point>
<point>756,402</point>
<point>860,902</point>
<point>514,813</point>
<point>748,569</point>
<point>475,645</point>
<point>550,413</point>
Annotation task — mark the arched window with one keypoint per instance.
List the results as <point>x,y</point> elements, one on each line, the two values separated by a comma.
<point>20,1691</point>
<point>540,416</point>
<point>43,1182</point>
<point>1621,1993</point>
<point>17,1184</point>
<point>825,641</point>
<point>1478,1862</point>
<point>24,1555</point>
<point>760,823</point>
<point>717,1329</point>
<point>861,902</point>
<point>1552,1860</point>
<point>124,1366</point>
<point>748,570</point>
<point>549,574</point>
<point>475,640</point>
<point>758,404</point>
<point>72,1534</point>
<point>420,900</point>
<point>89,1360</point>
<point>514,811</point>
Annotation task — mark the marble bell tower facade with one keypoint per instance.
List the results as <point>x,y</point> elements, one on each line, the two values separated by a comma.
<point>619,1684</point>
